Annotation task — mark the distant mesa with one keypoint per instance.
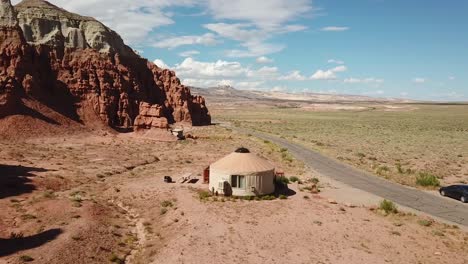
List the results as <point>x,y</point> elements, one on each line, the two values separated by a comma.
<point>72,69</point>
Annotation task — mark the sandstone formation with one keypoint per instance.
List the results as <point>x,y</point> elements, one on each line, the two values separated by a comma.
<point>78,67</point>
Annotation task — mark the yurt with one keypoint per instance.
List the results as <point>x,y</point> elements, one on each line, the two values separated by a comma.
<point>242,173</point>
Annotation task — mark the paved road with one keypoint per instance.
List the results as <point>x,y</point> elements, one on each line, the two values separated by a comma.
<point>444,208</point>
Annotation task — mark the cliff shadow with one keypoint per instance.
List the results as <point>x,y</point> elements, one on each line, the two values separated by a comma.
<point>37,115</point>
<point>48,89</point>
<point>12,245</point>
<point>15,180</point>
<point>62,101</point>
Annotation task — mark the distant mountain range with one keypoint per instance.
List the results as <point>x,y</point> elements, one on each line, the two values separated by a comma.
<point>223,94</point>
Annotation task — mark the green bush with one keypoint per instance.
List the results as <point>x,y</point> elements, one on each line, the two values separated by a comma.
<point>282,180</point>
<point>268,197</point>
<point>427,179</point>
<point>388,207</point>
<point>204,195</point>
<point>315,180</point>
<point>293,179</point>
<point>283,197</point>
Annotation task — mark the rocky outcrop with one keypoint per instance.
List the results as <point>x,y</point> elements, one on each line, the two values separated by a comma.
<point>82,69</point>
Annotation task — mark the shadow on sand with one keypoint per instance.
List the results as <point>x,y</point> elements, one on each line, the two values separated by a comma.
<point>14,180</point>
<point>283,189</point>
<point>13,245</point>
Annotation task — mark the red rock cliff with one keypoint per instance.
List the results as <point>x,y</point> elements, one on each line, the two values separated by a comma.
<point>83,70</point>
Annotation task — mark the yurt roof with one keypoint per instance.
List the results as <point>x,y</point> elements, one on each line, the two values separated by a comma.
<point>242,163</point>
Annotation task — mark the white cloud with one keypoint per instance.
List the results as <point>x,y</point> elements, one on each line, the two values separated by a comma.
<point>293,76</point>
<point>238,31</point>
<point>207,39</point>
<point>264,14</point>
<point>264,60</point>
<point>191,68</point>
<point>132,19</point>
<point>253,22</point>
<point>161,64</point>
<point>206,82</point>
<point>189,53</point>
<point>334,29</point>
<point>451,78</point>
<point>233,73</point>
<point>341,68</point>
<point>365,80</point>
<point>328,74</point>
<point>251,38</point>
<point>257,22</point>
<point>419,80</point>
<point>255,49</point>
<point>335,61</point>
<point>263,73</point>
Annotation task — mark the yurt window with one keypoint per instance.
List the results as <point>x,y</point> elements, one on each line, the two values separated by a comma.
<point>238,181</point>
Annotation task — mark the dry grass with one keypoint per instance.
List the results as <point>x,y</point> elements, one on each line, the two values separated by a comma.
<point>397,145</point>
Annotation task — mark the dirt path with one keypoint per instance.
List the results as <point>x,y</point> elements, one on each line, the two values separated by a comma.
<point>443,208</point>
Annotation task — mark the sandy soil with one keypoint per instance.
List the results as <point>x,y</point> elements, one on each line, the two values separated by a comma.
<point>100,198</point>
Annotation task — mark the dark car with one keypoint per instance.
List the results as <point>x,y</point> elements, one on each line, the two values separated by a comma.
<point>459,192</point>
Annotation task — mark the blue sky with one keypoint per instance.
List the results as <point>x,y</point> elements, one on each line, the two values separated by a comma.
<point>386,48</point>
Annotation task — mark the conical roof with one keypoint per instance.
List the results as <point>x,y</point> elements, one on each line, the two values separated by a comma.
<point>242,163</point>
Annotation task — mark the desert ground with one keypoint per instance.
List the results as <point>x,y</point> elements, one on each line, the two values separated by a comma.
<point>99,197</point>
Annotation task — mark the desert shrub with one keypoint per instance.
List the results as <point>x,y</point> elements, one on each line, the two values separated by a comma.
<point>399,168</point>
<point>283,197</point>
<point>388,207</point>
<point>163,211</point>
<point>361,155</point>
<point>427,179</point>
<point>48,194</point>
<point>268,197</point>
<point>293,179</point>
<point>76,198</point>
<point>28,217</point>
<point>204,195</point>
<point>26,258</point>
<point>115,259</point>
<point>315,180</point>
<point>306,197</point>
<point>14,235</point>
<point>282,180</point>
<point>425,222</point>
<point>167,203</point>
<point>382,169</point>
<point>76,238</point>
